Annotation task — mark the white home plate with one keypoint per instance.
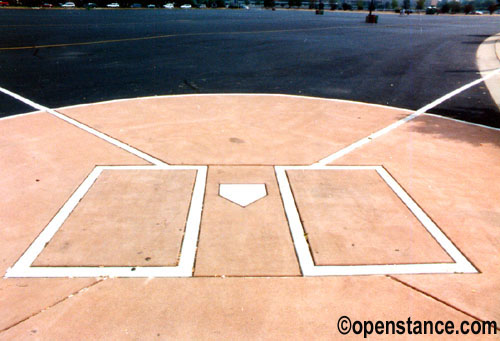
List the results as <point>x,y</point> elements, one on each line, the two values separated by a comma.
<point>242,194</point>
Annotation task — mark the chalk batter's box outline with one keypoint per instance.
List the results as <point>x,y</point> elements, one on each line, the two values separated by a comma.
<point>184,268</point>
<point>461,265</point>
<point>22,268</point>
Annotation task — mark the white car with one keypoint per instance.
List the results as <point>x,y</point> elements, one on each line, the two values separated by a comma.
<point>186,6</point>
<point>169,6</point>
<point>68,4</point>
<point>113,5</point>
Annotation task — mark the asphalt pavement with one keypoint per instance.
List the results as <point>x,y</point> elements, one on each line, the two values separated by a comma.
<point>66,57</point>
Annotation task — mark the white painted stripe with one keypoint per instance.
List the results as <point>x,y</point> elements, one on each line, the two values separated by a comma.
<point>46,235</point>
<point>76,272</point>
<point>109,139</point>
<point>298,235</point>
<point>335,167</point>
<point>236,94</point>
<point>151,167</point>
<point>24,100</point>
<point>20,115</point>
<point>438,235</point>
<point>457,91</point>
<point>23,267</point>
<point>389,269</point>
<point>464,122</point>
<point>461,265</point>
<point>365,140</point>
<point>188,251</point>
<point>88,129</point>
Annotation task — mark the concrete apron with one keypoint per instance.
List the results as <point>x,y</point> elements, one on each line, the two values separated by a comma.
<point>416,210</point>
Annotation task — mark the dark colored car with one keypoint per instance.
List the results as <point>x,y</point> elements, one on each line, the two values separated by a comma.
<point>136,6</point>
<point>431,10</point>
<point>47,5</point>
<point>90,5</point>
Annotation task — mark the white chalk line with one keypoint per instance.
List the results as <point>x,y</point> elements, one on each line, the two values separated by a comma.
<point>20,115</point>
<point>86,128</point>
<point>235,94</point>
<point>332,157</point>
<point>22,268</point>
<point>306,262</point>
<point>303,252</point>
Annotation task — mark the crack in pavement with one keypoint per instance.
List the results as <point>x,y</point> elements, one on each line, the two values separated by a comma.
<point>437,299</point>
<point>82,290</point>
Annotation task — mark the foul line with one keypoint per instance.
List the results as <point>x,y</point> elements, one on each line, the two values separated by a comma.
<point>88,129</point>
<point>396,124</point>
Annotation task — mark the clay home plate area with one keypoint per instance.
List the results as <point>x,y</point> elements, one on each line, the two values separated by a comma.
<point>243,216</point>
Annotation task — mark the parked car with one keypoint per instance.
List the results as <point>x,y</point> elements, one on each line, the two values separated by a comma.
<point>151,6</point>
<point>68,4</point>
<point>90,5</point>
<point>135,5</point>
<point>477,13</point>
<point>4,3</point>
<point>431,10</point>
<point>185,6</point>
<point>169,6</point>
<point>113,5</point>
<point>47,5</point>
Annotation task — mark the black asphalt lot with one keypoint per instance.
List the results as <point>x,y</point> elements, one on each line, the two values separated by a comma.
<point>90,56</point>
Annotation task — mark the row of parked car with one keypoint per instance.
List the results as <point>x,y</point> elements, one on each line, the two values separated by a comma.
<point>113,5</point>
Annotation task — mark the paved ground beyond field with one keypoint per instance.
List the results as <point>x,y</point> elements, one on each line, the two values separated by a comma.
<point>312,225</point>
<point>65,57</point>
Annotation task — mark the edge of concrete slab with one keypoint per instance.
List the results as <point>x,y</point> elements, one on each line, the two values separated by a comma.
<point>488,59</point>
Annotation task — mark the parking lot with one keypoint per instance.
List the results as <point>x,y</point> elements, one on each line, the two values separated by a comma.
<point>66,57</point>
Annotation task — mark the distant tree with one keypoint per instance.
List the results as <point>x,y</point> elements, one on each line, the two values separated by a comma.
<point>406,4</point>
<point>346,6</point>
<point>394,4</point>
<point>359,5</point>
<point>468,8</point>
<point>455,7</point>
<point>269,3</point>
<point>445,8</point>
<point>333,5</point>
<point>420,4</point>
<point>492,7</point>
